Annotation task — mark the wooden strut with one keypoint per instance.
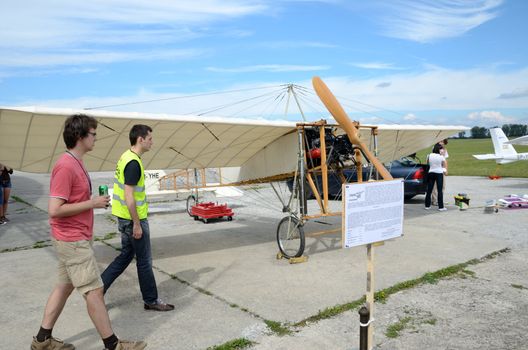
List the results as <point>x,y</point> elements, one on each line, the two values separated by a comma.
<point>370,291</point>
<point>324,167</point>
<point>324,232</point>
<point>309,177</point>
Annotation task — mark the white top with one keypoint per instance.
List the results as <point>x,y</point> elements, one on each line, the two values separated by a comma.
<point>435,163</point>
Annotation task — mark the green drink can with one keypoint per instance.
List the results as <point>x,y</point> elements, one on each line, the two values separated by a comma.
<point>103,190</point>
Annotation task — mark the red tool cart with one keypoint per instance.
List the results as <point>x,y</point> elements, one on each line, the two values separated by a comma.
<point>209,210</point>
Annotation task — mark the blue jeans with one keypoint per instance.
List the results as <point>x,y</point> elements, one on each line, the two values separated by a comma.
<point>130,247</point>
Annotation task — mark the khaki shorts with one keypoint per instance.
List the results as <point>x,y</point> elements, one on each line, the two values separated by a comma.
<point>77,265</point>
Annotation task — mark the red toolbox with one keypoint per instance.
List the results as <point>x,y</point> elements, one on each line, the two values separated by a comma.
<point>209,210</point>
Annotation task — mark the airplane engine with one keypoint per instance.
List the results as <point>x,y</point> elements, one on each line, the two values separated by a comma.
<point>339,149</point>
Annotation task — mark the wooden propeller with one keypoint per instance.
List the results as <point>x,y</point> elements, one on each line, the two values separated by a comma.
<point>349,126</point>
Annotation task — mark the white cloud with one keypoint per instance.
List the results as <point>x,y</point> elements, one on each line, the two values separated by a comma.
<point>274,68</point>
<point>295,44</point>
<point>52,32</point>
<point>409,98</point>
<point>490,117</point>
<point>79,57</point>
<point>435,89</point>
<point>374,65</point>
<point>430,20</point>
<point>517,93</point>
<point>384,84</point>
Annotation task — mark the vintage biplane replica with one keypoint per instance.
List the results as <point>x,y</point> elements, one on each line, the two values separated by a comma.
<point>249,151</point>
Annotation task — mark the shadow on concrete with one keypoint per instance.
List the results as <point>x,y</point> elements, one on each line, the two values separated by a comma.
<point>245,231</point>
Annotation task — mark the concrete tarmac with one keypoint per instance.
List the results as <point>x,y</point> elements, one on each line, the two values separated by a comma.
<point>224,277</point>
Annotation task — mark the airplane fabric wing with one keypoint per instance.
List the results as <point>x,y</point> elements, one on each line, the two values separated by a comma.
<point>396,141</point>
<point>486,156</point>
<point>523,140</point>
<point>31,139</point>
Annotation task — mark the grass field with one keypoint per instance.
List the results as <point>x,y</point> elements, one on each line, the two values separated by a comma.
<point>462,162</point>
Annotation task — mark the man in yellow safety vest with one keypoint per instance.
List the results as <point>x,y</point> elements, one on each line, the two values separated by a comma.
<point>129,205</point>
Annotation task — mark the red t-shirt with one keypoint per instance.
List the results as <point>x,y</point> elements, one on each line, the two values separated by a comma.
<point>70,181</point>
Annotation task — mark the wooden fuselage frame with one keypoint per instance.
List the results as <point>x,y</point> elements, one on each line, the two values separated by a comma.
<point>322,197</point>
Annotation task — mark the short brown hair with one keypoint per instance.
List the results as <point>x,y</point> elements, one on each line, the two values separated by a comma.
<point>76,127</point>
<point>138,130</point>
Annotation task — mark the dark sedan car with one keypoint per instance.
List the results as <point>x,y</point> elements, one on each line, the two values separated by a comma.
<point>412,173</point>
<point>414,176</point>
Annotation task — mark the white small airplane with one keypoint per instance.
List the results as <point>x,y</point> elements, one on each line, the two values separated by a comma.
<point>523,140</point>
<point>504,151</point>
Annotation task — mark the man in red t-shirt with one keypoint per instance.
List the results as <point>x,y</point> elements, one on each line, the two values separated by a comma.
<point>70,209</point>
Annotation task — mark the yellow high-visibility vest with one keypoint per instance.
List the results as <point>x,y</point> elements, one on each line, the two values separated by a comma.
<point>119,207</point>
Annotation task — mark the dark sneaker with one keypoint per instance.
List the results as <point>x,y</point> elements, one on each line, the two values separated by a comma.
<point>131,345</point>
<point>2,222</point>
<point>159,305</point>
<point>4,219</point>
<point>51,344</point>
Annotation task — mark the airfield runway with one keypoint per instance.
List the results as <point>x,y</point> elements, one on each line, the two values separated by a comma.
<point>225,280</point>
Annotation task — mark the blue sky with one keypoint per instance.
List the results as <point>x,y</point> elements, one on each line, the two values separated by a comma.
<point>422,61</point>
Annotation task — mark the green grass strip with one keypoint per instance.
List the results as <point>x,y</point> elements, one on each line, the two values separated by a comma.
<point>462,163</point>
<point>383,295</point>
<point>18,199</point>
<point>331,312</point>
<point>278,328</point>
<point>235,344</point>
<point>108,236</point>
<point>36,245</point>
<point>394,329</point>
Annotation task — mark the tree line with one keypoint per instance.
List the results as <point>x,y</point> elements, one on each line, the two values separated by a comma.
<point>511,130</point>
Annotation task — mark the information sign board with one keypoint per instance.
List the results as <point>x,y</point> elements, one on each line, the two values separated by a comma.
<point>372,212</point>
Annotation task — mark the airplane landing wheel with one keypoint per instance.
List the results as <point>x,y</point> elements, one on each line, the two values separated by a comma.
<point>290,237</point>
<point>191,200</point>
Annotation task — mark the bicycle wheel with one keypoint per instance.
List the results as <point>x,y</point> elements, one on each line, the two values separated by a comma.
<point>290,237</point>
<point>191,200</point>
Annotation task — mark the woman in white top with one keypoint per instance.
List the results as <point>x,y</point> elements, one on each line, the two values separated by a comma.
<point>443,152</point>
<point>437,165</point>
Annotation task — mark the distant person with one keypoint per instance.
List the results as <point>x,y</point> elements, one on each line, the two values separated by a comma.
<point>71,217</point>
<point>129,205</point>
<point>5,191</point>
<point>443,151</point>
<point>437,168</point>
